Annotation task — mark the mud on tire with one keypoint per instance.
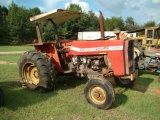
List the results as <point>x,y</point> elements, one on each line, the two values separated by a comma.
<point>36,71</point>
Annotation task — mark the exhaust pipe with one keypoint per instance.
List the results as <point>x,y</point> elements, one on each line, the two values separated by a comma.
<point>101,19</point>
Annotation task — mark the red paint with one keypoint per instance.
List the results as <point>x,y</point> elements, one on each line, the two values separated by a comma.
<point>117,58</point>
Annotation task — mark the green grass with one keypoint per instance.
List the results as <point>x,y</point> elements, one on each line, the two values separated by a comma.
<point>13,58</point>
<point>68,102</point>
<point>15,48</point>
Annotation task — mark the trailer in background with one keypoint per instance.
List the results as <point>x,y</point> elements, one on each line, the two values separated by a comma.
<point>93,35</point>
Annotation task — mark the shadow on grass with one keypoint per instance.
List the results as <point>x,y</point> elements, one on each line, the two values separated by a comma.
<point>142,84</point>
<point>67,82</point>
<point>16,96</point>
<point>71,82</point>
<point>120,98</point>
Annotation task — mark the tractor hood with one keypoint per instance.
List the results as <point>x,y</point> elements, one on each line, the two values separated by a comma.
<point>58,16</point>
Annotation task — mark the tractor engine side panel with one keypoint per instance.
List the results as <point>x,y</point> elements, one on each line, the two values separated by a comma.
<point>113,48</point>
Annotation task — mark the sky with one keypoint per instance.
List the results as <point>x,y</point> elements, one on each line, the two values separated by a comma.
<point>141,10</point>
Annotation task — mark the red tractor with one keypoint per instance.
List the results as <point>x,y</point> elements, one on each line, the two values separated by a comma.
<point>95,59</point>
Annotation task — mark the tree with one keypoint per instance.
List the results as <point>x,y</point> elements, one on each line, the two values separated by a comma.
<point>114,22</point>
<point>74,7</point>
<point>150,24</point>
<point>69,29</point>
<point>30,26</point>
<point>92,22</point>
<point>20,28</point>
<point>66,30</point>
<point>87,22</point>
<point>3,25</point>
<point>130,24</point>
<point>47,32</point>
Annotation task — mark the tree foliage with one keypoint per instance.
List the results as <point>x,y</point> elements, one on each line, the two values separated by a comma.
<point>130,24</point>
<point>47,33</point>
<point>3,25</point>
<point>92,22</point>
<point>74,7</point>
<point>16,29</point>
<point>87,22</point>
<point>114,22</point>
<point>150,24</point>
<point>21,30</point>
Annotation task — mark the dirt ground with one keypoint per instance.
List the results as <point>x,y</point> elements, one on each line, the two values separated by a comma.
<point>13,52</point>
<point>5,62</point>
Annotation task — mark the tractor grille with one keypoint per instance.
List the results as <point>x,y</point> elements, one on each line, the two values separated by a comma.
<point>131,56</point>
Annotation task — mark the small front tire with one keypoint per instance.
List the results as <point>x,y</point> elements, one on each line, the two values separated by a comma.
<point>99,93</point>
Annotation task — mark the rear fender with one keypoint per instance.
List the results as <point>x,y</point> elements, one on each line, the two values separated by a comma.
<point>51,51</point>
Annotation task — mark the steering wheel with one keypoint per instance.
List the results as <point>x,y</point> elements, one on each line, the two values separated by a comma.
<point>107,37</point>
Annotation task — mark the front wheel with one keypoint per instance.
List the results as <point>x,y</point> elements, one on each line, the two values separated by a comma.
<point>99,93</point>
<point>1,97</point>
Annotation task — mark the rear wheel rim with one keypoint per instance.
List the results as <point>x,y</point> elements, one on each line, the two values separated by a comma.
<point>97,94</point>
<point>30,74</point>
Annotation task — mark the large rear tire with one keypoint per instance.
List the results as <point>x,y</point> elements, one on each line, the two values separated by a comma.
<point>99,93</point>
<point>36,71</point>
<point>1,97</point>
